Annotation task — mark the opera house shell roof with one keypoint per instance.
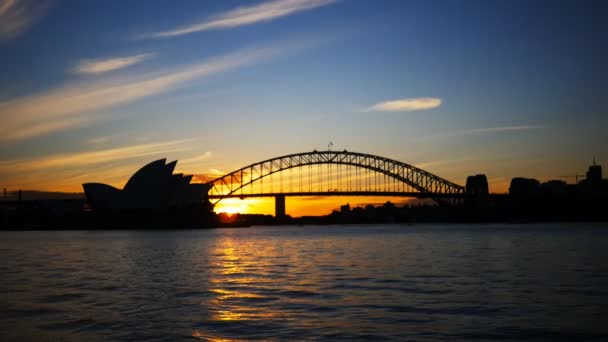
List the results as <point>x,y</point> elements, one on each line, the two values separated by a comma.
<point>154,186</point>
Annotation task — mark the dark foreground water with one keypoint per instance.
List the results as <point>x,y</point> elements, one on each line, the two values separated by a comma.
<point>423,282</point>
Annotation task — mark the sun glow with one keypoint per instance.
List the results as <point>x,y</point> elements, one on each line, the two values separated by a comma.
<point>245,206</point>
<point>232,206</point>
<point>300,206</point>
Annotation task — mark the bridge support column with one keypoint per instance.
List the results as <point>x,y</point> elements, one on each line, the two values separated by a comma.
<point>279,207</point>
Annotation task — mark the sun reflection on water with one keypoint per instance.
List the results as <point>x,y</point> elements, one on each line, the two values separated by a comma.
<point>230,277</point>
<point>201,335</point>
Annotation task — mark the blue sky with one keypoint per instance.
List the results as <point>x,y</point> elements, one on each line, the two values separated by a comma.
<point>90,91</point>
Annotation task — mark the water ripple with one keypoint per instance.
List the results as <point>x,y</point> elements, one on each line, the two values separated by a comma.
<point>394,283</point>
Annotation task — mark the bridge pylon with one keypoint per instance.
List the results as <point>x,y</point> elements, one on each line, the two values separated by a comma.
<point>279,207</point>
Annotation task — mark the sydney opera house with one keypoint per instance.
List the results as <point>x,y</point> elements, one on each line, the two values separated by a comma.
<point>154,186</point>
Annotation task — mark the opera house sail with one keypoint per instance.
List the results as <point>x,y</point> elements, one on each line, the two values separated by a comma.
<point>153,189</point>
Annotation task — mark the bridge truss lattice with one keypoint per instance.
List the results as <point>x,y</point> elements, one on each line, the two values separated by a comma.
<point>332,173</point>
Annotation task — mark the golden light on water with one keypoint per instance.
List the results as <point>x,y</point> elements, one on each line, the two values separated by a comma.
<point>229,302</point>
<point>204,336</point>
<point>225,294</point>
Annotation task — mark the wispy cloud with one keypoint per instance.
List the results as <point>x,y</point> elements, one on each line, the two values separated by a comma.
<point>16,129</point>
<point>474,131</point>
<point>79,159</point>
<point>240,16</point>
<point>432,163</point>
<point>501,129</point>
<point>208,176</point>
<point>99,140</point>
<point>77,104</point>
<point>443,162</point>
<point>65,172</point>
<point>193,164</point>
<point>201,157</point>
<point>17,15</point>
<point>406,105</point>
<point>98,66</point>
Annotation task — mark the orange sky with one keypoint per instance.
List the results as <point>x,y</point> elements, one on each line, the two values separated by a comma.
<point>300,206</point>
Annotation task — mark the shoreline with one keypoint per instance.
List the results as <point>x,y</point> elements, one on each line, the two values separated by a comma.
<point>299,225</point>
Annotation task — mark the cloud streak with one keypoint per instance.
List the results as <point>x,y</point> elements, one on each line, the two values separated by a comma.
<point>99,66</point>
<point>16,16</point>
<point>211,174</point>
<point>240,16</point>
<point>406,105</point>
<point>99,140</point>
<point>80,159</point>
<point>79,104</point>
<point>484,130</point>
<point>66,171</point>
<point>202,157</point>
<point>502,129</point>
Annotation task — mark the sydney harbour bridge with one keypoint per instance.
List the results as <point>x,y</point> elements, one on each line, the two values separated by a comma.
<point>333,173</point>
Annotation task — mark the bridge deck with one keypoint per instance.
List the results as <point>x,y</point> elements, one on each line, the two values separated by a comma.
<point>343,193</point>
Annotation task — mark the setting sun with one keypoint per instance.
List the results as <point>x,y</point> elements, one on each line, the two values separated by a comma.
<point>243,206</point>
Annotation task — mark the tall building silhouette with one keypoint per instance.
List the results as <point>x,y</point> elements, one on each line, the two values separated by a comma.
<point>594,174</point>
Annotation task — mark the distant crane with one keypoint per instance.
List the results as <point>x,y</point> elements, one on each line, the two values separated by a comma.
<point>576,177</point>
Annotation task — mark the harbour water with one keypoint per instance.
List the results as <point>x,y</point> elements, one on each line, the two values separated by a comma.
<point>431,282</point>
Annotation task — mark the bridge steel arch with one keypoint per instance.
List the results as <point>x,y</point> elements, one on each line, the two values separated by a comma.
<point>421,180</point>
